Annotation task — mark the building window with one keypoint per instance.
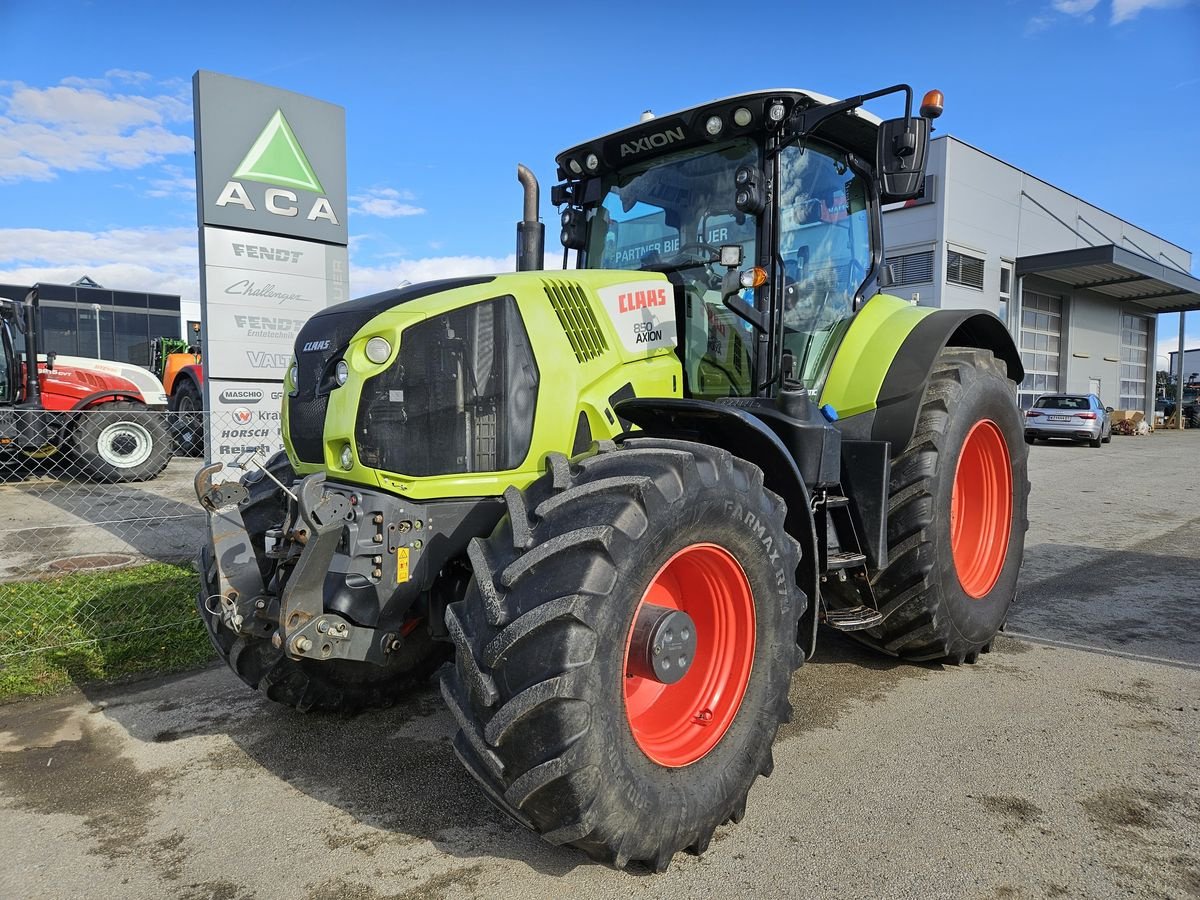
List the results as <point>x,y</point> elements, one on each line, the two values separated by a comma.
<point>912,268</point>
<point>1006,278</point>
<point>1135,339</point>
<point>964,269</point>
<point>1041,345</point>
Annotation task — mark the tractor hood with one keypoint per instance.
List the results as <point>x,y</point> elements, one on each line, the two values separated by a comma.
<point>75,378</point>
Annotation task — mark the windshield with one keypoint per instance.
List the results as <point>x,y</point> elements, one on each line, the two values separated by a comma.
<point>671,215</point>
<point>7,390</point>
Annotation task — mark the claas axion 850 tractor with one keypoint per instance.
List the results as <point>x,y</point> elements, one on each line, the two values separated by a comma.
<point>623,496</point>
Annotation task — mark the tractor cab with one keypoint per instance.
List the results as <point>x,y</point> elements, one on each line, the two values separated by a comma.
<point>763,210</point>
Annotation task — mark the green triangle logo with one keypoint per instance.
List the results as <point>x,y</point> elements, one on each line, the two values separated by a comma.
<point>276,158</point>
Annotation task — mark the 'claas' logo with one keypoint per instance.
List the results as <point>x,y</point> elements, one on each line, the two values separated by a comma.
<point>242,416</point>
<point>636,300</point>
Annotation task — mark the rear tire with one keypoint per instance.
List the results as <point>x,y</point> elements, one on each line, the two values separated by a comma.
<point>946,598</point>
<point>335,686</point>
<point>553,724</point>
<point>121,441</point>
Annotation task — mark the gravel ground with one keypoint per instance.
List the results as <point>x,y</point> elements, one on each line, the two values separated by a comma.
<point>1064,764</point>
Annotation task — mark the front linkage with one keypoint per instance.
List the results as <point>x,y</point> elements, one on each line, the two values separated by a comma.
<point>330,572</point>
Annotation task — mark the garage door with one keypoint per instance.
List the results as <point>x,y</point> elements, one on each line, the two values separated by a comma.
<point>1041,342</point>
<point>1135,338</point>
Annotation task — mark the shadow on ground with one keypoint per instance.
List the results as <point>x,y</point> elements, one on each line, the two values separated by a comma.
<point>1142,601</point>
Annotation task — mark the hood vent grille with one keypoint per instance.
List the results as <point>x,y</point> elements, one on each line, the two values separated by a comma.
<point>578,321</point>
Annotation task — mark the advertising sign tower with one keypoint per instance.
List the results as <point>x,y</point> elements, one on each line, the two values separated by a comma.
<point>271,209</point>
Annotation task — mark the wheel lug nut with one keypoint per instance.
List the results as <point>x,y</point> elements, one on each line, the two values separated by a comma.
<point>658,649</point>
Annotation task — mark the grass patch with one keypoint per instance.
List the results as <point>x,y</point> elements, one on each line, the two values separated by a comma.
<point>88,627</point>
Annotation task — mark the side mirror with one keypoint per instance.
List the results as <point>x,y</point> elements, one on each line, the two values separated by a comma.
<point>887,276</point>
<point>1108,409</point>
<point>900,151</point>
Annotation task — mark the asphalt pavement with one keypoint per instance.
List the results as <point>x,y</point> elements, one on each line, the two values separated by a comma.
<point>1064,764</point>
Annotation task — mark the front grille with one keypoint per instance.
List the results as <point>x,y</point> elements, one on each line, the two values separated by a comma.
<point>577,318</point>
<point>306,425</point>
<point>459,398</point>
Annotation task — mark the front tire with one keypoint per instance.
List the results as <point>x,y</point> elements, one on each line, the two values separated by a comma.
<point>556,722</point>
<point>187,407</point>
<point>121,441</point>
<point>956,516</point>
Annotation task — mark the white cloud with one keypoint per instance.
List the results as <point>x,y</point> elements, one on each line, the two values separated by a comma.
<point>136,259</point>
<point>1075,7</point>
<point>371,279</point>
<point>386,203</point>
<point>85,124</point>
<point>165,260</point>
<point>1124,10</point>
<point>174,182</point>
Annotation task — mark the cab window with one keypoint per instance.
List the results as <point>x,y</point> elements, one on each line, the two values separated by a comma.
<point>824,248</point>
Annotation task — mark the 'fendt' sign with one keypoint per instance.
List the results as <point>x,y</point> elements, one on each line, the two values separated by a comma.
<point>274,162</point>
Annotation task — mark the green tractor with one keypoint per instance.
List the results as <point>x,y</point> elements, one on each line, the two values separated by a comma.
<point>623,496</point>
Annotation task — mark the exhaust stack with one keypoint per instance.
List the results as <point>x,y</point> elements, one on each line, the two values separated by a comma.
<point>531,234</point>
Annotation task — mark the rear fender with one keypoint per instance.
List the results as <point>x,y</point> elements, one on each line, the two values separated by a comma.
<point>749,438</point>
<point>98,399</point>
<point>879,374</point>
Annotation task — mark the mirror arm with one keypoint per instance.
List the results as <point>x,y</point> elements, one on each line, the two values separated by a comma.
<point>730,287</point>
<point>804,121</point>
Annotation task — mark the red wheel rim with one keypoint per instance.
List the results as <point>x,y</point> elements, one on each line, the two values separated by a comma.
<point>981,509</point>
<point>677,724</point>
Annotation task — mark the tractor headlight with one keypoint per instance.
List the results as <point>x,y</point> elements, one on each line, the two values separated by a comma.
<point>378,350</point>
<point>294,375</point>
<point>347,459</point>
<point>591,162</point>
<point>742,117</point>
<point>713,125</point>
<point>341,372</point>
<point>574,166</point>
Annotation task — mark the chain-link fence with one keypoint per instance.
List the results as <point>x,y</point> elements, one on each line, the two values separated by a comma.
<point>99,521</point>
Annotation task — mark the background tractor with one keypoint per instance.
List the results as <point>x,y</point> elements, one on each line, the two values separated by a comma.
<point>178,365</point>
<point>624,495</point>
<point>104,419</point>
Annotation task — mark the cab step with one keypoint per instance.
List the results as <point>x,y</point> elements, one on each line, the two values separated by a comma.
<point>854,619</point>
<point>844,559</point>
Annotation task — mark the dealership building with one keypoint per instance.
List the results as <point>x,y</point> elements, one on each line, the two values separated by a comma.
<point>84,319</point>
<point>1078,287</point>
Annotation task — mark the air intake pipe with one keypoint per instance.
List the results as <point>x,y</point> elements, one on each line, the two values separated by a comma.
<point>531,234</point>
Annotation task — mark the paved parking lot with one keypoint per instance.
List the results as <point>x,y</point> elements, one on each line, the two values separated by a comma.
<point>46,517</point>
<point>1064,764</point>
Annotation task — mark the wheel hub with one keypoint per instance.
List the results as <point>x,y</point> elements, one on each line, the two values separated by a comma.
<point>124,444</point>
<point>663,644</point>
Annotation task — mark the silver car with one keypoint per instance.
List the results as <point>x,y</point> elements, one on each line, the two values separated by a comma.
<point>1074,417</point>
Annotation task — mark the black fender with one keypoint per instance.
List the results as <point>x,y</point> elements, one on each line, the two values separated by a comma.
<point>105,397</point>
<point>187,373</point>
<point>899,401</point>
<point>745,436</point>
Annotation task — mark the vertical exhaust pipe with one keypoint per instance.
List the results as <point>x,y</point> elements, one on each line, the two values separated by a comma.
<point>531,234</point>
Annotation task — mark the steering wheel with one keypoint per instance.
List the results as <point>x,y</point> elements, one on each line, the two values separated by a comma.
<point>691,253</point>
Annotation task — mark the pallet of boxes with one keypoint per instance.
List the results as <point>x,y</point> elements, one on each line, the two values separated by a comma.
<point>1130,421</point>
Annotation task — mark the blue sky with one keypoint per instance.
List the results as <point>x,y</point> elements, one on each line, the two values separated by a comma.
<point>1099,97</point>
